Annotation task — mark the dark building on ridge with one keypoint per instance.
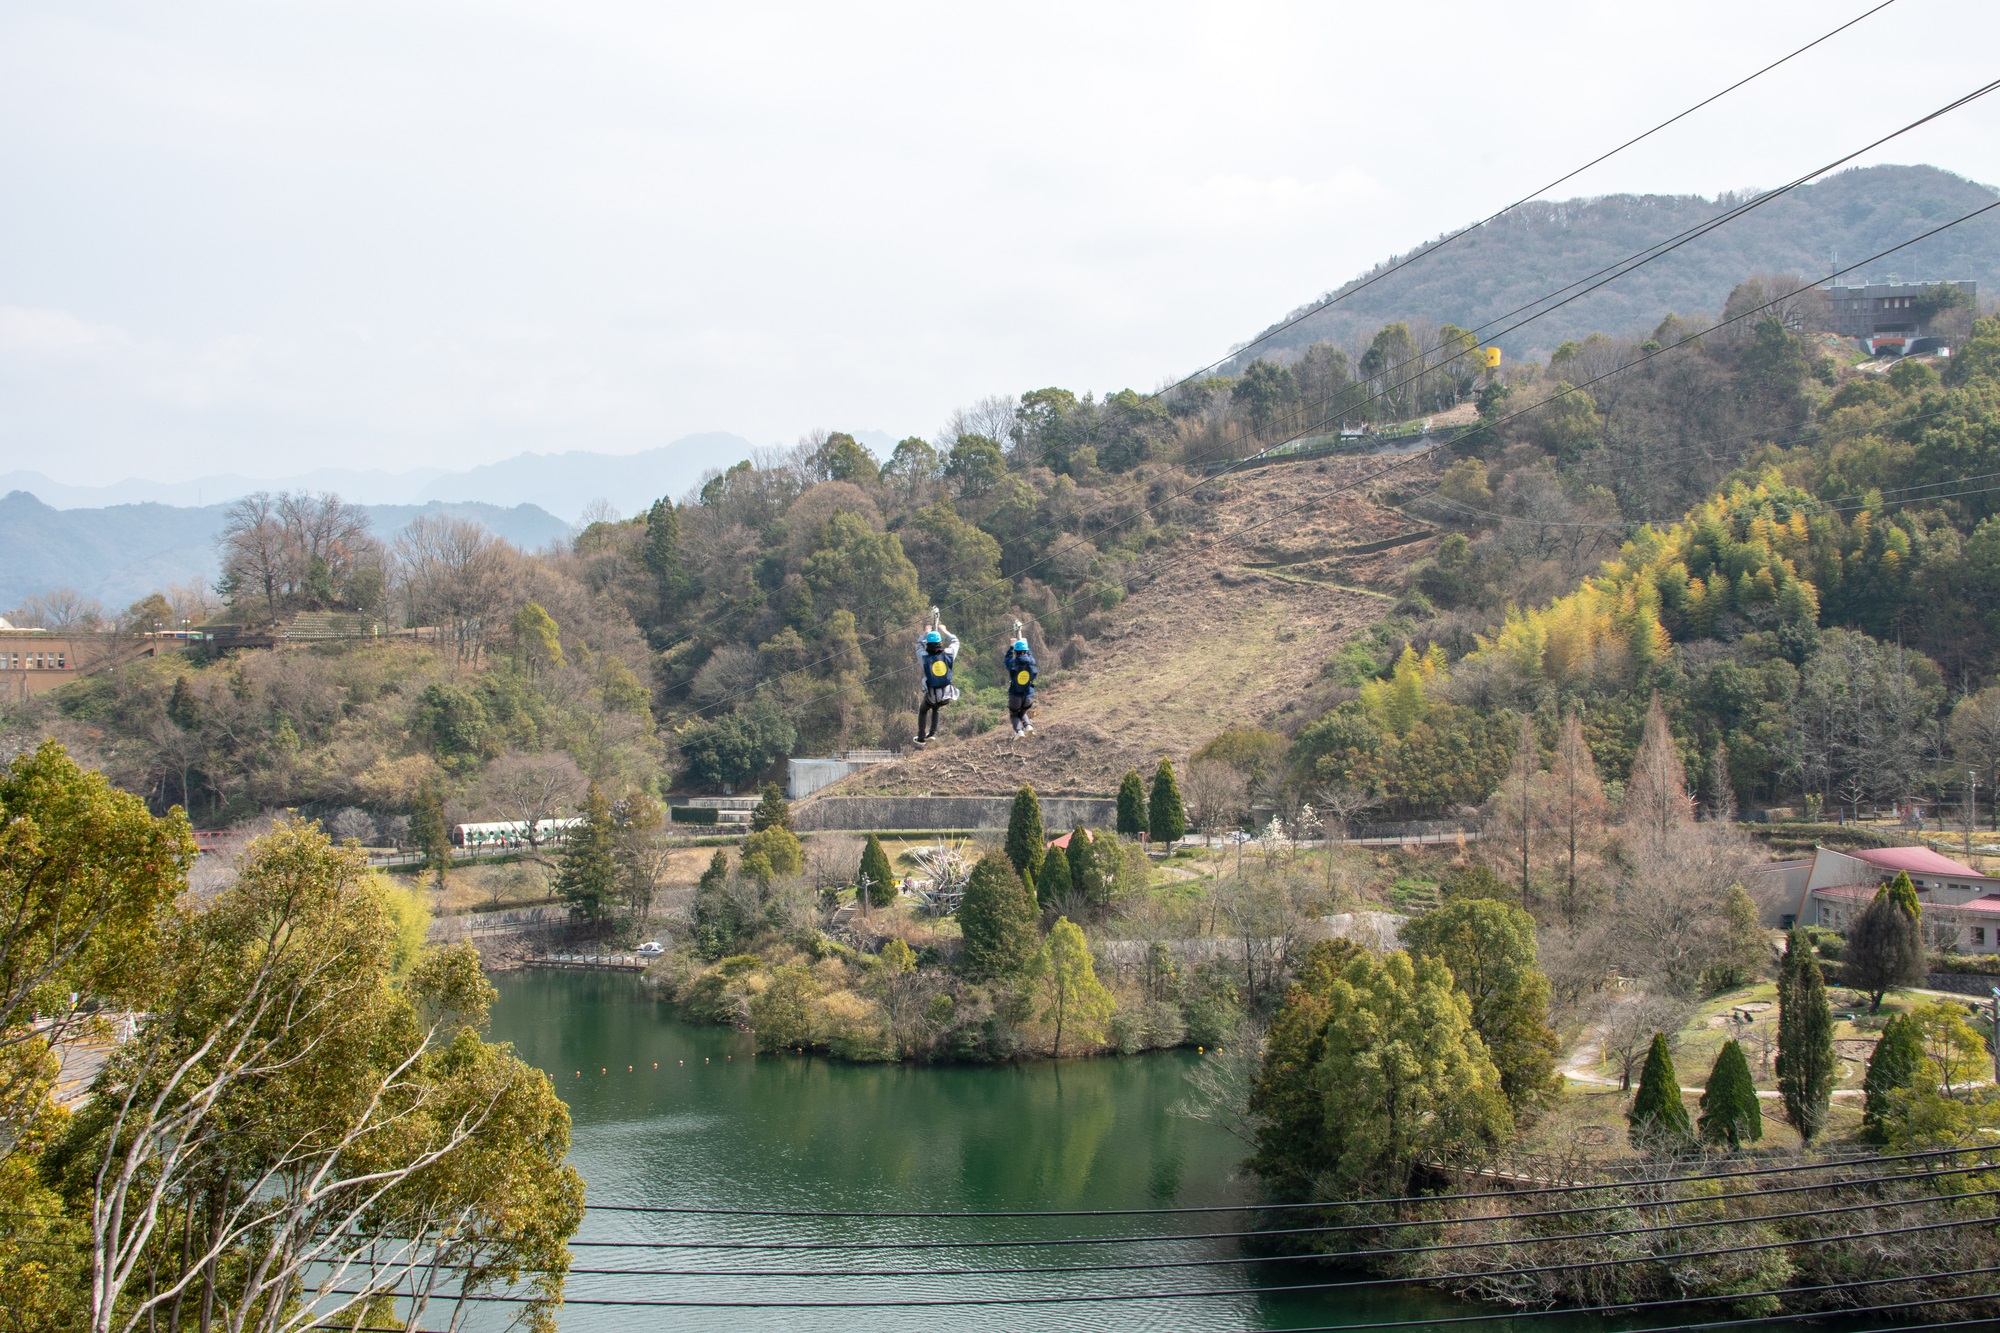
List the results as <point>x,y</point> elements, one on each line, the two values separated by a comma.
<point>1885,313</point>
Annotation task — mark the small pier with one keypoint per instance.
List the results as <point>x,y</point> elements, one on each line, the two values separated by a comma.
<point>590,962</point>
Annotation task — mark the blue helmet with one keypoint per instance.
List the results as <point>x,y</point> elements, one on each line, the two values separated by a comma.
<point>933,637</point>
<point>1020,645</point>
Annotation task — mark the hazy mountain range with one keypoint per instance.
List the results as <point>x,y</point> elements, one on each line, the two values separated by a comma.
<point>120,553</point>
<point>119,542</point>
<point>562,484</point>
<point>1540,247</point>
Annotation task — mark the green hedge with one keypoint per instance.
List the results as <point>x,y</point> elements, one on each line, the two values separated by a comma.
<point>1976,965</point>
<point>691,814</point>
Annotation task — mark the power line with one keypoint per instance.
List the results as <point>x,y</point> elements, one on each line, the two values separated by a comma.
<point>1622,267</point>
<point>789,1247</point>
<point>1575,388</point>
<point>1120,1297</point>
<point>1425,252</point>
<point>1870,1160</point>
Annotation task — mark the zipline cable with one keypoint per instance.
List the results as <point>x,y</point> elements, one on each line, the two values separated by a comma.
<point>1630,265</point>
<point>1575,388</point>
<point>1424,252</point>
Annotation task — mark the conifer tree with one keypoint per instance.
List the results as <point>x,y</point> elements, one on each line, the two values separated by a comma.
<point>875,868</point>
<point>1579,810</point>
<point>1892,1067</point>
<point>182,710</point>
<point>1806,1063</point>
<point>997,920</point>
<point>1165,817</point>
<point>1026,843</point>
<point>1489,945</point>
<point>1729,1112</point>
<point>588,877</point>
<point>1659,1118</point>
<point>1656,797</point>
<point>1885,945</point>
<point>429,831</point>
<point>1052,886</point>
<point>773,811</point>
<point>717,873</point>
<point>1086,872</point>
<point>1131,805</point>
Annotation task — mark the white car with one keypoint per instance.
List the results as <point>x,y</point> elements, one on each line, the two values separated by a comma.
<point>652,949</point>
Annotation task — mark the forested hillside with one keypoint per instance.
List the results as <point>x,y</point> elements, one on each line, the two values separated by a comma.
<point>1541,246</point>
<point>1782,544</point>
<point>1823,626</point>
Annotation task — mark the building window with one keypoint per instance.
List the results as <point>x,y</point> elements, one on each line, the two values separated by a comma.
<point>1979,934</point>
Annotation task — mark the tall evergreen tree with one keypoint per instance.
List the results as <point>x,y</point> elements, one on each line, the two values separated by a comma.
<point>1026,843</point>
<point>1806,1063</point>
<point>1166,819</point>
<point>1489,946</point>
<point>1086,871</point>
<point>1729,1112</point>
<point>1885,945</point>
<point>1131,805</point>
<point>773,811</point>
<point>875,868</point>
<point>997,920</point>
<point>661,553</point>
<point>429,831</point>
<point>1052,886</point>
<point>588,876</point>
<point>1293,1148</point>
<point>717,873</point>
<point>1891,1068</point>
<point>1659,1118</point>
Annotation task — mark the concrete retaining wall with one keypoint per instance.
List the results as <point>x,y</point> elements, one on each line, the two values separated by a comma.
<point>1059,813</point>
<point>1962,983</point>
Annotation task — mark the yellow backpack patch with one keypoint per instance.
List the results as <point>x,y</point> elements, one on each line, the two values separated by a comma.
<point>1021,677</point>
<point>938,667</point>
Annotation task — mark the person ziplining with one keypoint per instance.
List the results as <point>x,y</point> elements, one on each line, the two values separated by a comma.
<point>1021,672</point>
<point>934,662</point>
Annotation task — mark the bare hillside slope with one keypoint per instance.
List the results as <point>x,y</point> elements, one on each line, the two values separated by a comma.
<point>1236,622</point>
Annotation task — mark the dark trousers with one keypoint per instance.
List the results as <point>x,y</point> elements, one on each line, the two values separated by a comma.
<point>928,709</point>
<point>1017,709</point>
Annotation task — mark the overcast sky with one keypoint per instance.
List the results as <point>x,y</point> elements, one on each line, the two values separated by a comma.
<point>268,237</point>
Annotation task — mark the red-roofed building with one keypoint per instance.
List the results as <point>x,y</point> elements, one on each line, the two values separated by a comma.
<point>1961,906</point>
<point>1062,843</point>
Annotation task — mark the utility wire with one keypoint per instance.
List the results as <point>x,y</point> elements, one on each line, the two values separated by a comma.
<point>1575,388</point>
<point>1869,1160</point>
<point>1147,1265</point>
<point>1426,251</point>
<point>1120,1297</point>
<point>790,1247</point>
<point>1602,278</point>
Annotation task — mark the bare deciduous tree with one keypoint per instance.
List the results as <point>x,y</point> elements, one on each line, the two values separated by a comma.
<point>1577,813</point>
<point>453,576</point>
<point>532,788</point>
<point>1215,793</point>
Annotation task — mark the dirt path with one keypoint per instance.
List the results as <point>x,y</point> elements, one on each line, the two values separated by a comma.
<point>1234,627</point>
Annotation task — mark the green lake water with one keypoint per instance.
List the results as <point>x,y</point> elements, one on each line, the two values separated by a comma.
<point>717,1126</point>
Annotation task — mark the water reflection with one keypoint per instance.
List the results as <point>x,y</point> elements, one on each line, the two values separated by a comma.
<point>716,1126</point>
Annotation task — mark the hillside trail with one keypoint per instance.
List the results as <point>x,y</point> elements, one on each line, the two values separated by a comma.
<point>1235,624</point>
